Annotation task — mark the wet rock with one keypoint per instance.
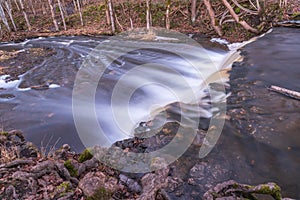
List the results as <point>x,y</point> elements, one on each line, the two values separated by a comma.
<point>206,174</point>
<point>233,190</point>
<point>132,185</point>
<point>153,182</point>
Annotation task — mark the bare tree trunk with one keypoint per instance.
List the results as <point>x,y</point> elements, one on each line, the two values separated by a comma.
<point>212,17</point>
<point>111,15</point>
<point>32,7</point>
<point>53,15</point>
<point>62,14</point>
<point>9,11</point>
<point>75,5</point>
<point>168,14</point>
<point>236,18</point>
<point>17,5</point>
<point>3,18</point>
<point>131,23</point>
<point>118,23</point>
<point>25,15</point>
<point>193,11</point>
<point>107,13</point>
<point>80,12</point>
<point>43,7</point>
<point>148,14</point>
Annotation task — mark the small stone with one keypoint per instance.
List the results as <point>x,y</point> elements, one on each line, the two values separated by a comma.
<point>191,181</point>
<point>131,184</point>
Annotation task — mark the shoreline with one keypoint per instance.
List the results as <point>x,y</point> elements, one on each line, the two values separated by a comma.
<point>95,22</point>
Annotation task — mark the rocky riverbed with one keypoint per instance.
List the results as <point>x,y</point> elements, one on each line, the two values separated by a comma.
<point>28,173</point>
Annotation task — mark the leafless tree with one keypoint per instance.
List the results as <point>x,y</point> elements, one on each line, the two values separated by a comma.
<point>168,5</point>
<point>53,15</point>
<point>111,16</point>
<point>8,7</point>
<point>41,3</point>
<point>3,17</point>
<point>75,5</point>
<point>193,11</point>
<point>148,14</point>
<point>80,12</point>
<point>17,6</point>
<point>62,14</point>
<point>212,17</point>
<point>25,14</point>
<point>237,19</point>
<point>32,7</point>
<point>107,13</point>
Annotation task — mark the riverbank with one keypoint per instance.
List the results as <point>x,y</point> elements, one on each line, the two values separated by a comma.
<point>29,173</point>
<point>131,14</point>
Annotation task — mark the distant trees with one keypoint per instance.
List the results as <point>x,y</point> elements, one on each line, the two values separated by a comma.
<point>22,14</point>
<point>3,17</point>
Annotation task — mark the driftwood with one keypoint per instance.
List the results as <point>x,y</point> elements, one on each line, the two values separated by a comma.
<point>286,92</point>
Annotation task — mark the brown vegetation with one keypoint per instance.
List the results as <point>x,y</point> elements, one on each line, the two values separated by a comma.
<point>234,19</point>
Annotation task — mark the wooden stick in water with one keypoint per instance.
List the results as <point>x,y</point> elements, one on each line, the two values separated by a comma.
<point>286,92</point>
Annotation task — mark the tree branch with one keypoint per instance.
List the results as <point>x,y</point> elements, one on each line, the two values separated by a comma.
<point>212,17</point>
<point>236,18</point>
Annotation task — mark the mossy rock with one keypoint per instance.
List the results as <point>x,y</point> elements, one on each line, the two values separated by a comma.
<point>101,194</point>
<point>85,155</point>
<point>64,188</point>
<point>71,168</point>
<point>4,133</point>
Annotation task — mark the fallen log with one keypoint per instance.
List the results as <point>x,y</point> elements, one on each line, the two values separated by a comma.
<point>289,93</point>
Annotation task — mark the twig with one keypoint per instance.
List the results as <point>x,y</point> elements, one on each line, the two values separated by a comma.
<point>286,92</point>
<point>245,9</point>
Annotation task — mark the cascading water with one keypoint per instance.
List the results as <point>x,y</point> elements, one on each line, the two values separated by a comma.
<point>42,97</point>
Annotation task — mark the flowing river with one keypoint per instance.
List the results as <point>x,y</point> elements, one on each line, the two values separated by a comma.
<point>259,142</point>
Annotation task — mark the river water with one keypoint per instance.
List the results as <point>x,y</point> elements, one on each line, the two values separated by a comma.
<point>37,85</point>
<point>259,142</point>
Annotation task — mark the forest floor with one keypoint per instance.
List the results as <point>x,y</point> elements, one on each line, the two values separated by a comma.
<point>94,18</point>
